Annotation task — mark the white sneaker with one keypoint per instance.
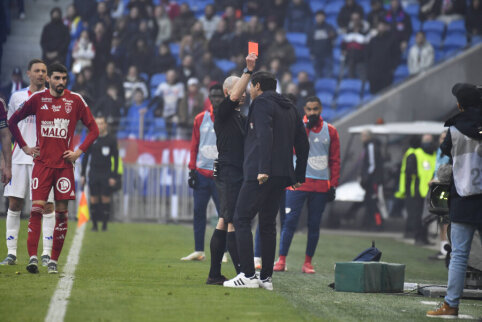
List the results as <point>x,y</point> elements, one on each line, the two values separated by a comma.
<point>257,263</point>
<point>225,258</point>
<point>267,284</point>
<point>241,281</point>
<point>196,256</point>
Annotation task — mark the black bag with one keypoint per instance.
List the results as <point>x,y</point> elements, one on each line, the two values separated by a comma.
<point>371,254</point>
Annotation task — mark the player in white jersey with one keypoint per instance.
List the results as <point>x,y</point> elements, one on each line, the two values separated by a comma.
<point>22,165</point>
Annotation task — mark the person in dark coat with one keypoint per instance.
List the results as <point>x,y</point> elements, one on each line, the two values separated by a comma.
<point>473,20</point>
<point>274,128</point>
<point>282,49</point>
<point>400,23</point>
<point>298,16</point>
<point>55,39</point>
<point>320,41</point>
<point>164,61</point>
<point>346,11</point>
<point>220,44</point>
<point>382,57</point>
<point>463,145</point>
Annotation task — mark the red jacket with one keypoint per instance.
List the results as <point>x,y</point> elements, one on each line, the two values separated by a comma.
<point>195,143</point>
<point>315,185</point>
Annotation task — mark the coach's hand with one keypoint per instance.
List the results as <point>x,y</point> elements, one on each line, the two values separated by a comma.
<point>262,178</point>
<point>71,156</point>
<point>296,185</point>
<point>33,152</point>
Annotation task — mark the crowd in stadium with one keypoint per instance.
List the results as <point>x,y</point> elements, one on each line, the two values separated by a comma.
<point>147,64</point>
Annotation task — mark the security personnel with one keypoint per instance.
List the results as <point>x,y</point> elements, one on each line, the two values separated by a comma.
<point>274,128</point>
<point>229,125</point>
<point>419,172</point>
<point>203,154</point>
<point>464,144</point>
<point>322,175</point>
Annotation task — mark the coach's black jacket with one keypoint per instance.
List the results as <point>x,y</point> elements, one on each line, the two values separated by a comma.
<point>274,127</point>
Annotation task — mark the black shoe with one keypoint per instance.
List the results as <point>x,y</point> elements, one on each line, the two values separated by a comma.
<point>94,228</point>
<point>32,266</point>
<point>216,280</point>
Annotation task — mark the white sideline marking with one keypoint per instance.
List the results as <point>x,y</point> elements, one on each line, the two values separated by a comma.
<point>60,299</point>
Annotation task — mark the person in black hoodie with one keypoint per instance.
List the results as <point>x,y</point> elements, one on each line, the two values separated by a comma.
<point>320,42</point>
<point>55,39</point>
<point>274,128</point>
<point>463,144</point>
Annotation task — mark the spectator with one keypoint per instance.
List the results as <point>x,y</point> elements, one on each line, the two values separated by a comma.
<point>190,105</point>
<point>266,36</point>
<point>298,17</point>
<point>133,81</point>
<point>117,8</point>
<point>383,55</point>
<point>276,68</point>
<point>111,76</point>
<point>183,22</point>
<point>254,32</point>
<point>320,42</point>
<point>83,52</point>
<point>142,6</point>
<point>118,53</point>
<point>293,92</point>
<point>16,83</point>
<point>306,88</point>
<point>172,91</point>
<point>187,69</point>
<point>85,8</point>
<point>277,12</point>
<point>110,105</point>
<point>90,86</point>
<point>443,10</point>
<point>239,40</point>
<point>132,26</point>
<point>255,8</point>
<point>164,27</point>
<point>207,67</point>
<point>121,31</point>
<point>141,57</point>
<point>220,43</point>
<point>282,49</point>
<point>420,55</point>
<point>209,21</point>
<point>102,15</point>
<point>286,81</point>
<point>73,21</point>
<point>473,20</point>
<point>346,13</point>
<point>101,41</point>
<point>354,46</point>
<point>377,13</point>
<point>55,39</point>
<point>230,17</point>
<point>400,23</point>
<point>172,8</point>
<point>138,115</point>
<point>164,60</point>
<point>193,44</point>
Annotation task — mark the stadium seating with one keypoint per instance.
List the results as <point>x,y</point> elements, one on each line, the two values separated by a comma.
<point>412,9</point>
<point>156,79</point>
<point>333,8</point>
<point>302,53</point>
<point>296,38</point>
<point>347,100</point>
<point>225,65</point>
<point>316,5</point>
<point>326,85</point>
<point>400,73</point>
<point>303,67</point>
<point>434,26</point>
<point>326,99</point>
<point>435,39</point>
<point>157,129</point>
<point>416,24</point>
<point>456,27</point>
<point>350,86</point>
<point>452,42</point>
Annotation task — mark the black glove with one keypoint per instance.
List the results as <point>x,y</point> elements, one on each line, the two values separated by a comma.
<point>331,194</point>
<point>192,179</point>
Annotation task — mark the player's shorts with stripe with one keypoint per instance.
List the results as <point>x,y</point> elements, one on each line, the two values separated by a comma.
<point>61,179</point>
<point>20,183</point>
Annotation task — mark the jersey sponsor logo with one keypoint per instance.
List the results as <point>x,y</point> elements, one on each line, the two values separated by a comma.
<point>56,129</point>
<point>68,108</point>
<point>209,152</point>
<point>46,99</point>
<point>56,108</point>
<point>44,107</point>
<point>319,162</point>
<point>63,185</point>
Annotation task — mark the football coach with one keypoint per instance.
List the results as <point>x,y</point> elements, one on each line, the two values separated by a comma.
<point>273,128</point>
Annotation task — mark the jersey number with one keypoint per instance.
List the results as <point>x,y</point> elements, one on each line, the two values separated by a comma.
<point>34,183</point>
<point>476,173</point>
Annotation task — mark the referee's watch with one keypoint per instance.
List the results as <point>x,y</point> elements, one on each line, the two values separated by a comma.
<point>247,71</point>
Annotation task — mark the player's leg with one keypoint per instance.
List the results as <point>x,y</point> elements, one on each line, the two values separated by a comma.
<point>217,246</point>
<point>235,180</point>
<point>316,206</point>
<point>48,224</point>
<point>294,205</point>
<point>105,204</point>
<point>95,205</point>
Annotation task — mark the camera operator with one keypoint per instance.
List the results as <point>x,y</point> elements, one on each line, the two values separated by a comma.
<point>463,144</point>
<point>229,125</point>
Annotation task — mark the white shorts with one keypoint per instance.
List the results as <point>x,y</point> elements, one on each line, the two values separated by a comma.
<point>21,183</point>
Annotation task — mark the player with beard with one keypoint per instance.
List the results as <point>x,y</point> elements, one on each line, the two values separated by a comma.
<point>322,175</point>
<point>22,171</point>
<point>57,111</point>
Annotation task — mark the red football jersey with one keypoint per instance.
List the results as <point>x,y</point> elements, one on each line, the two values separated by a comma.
<point>56,118</point>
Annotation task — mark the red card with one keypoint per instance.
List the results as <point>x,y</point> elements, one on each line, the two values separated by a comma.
<point>253,48</point>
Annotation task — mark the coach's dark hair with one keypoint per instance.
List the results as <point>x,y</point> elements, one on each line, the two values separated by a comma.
<point>266,80</point>
<point>216,86</point>
<point>56,67</point>
<point>35,61</point>
<point>313,99</point>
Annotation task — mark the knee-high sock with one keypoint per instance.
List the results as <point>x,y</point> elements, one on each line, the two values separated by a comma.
<point>59,233</point>
<point>94,213</point>
<point>48,225</point>
<point>233,251</point>
<point>34,227</point>
<point>13,227</point>
<point>217,245</point>
<point>105,214</point>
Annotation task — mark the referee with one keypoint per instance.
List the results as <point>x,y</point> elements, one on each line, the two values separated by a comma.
<point>229,125</point>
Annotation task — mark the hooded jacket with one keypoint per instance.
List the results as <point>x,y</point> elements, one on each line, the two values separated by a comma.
<point>274,128</point>
<point>465,209</point>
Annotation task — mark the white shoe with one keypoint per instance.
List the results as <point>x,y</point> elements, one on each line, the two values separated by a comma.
<point>267,284</point>
<point>241,281</point>
<point>257,263</point>
<point>196,256</point>
<point>225,258</point>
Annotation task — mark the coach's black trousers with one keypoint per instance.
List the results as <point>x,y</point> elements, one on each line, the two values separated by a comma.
<point>263,199</point>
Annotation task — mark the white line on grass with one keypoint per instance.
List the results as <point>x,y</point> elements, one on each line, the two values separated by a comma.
<point>60,299</point>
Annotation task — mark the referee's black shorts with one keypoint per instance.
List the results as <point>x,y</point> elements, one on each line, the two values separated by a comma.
<point>99,185</point>
<point>228,184</point>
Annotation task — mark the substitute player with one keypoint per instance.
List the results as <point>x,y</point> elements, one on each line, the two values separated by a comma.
<point>57,112</point>
<point>22,166</point>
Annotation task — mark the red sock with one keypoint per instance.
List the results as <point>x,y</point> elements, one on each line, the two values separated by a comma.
<point>34,228</point>
<point>282,259</point>
<point>307,259</point>
<point>60,232</point>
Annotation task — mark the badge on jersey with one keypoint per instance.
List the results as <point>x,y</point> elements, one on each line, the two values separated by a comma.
<point>105,151</point>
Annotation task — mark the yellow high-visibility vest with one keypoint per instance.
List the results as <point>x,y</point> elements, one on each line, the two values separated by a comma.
<point>400,194</point>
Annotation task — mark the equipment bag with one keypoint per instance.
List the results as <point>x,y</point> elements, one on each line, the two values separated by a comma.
<point>371,254</point>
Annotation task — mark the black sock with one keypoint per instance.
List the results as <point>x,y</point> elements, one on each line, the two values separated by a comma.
<point>105,215</point>
<point>233,251</point>
<point>217,245</point>
<point>94,214</point>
